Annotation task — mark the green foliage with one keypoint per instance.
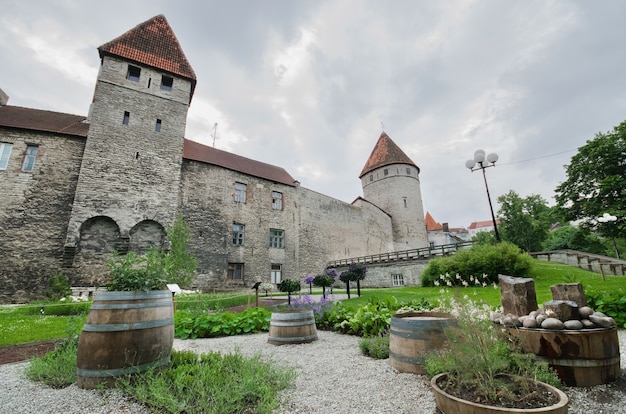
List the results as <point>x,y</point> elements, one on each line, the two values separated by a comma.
<point>289,286</point>
<point>210,383</point>
<point>524,221</point>
<point>370,319</point>
<point>157,267</point>
<point>596,181</point>
<point>323,281</point>
<point>611,303</point>
<point>57,369</point>
<point>58,287</point>
<point>491,260</point>
<point>475,357</point>
<point>485,237</point>
<point>354,273</point>
<point>180,264</point>
<point>375,346</point>
<point>575,238</point>
<point>201,325</point>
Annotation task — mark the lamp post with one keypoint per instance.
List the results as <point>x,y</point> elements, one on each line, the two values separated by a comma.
<point>607,218</point>
<point>480,162</point>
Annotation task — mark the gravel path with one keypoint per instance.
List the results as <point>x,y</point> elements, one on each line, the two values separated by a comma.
<point>333,377</point>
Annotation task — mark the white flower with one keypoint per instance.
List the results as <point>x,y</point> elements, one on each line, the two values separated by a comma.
<point>458,276</point>
<point>436,283</point>
<point>449,283</point>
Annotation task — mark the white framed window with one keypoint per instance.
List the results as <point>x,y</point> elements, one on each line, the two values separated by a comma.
<point>235,272</point>
<point>166,83</point>
<point>133,73</point>
<point>5,153</point>
<point>238,232</point>
<point>277,238</point>
<point>240,192</point>
<point>276,273</point>
<point>29,159</point>
<point>397,279</point>
<point>277,200</point>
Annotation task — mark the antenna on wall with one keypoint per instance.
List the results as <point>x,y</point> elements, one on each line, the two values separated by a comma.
<point>214,134</point>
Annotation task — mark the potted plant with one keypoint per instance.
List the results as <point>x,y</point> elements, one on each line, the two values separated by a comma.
<point>289,286</point>
<point>130,327</point>
<point>479,371</point>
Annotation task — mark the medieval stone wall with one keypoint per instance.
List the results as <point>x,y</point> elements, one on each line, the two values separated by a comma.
<point>35,210</point>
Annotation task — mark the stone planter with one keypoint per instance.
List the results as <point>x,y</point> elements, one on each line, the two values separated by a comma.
<point>449,404</point>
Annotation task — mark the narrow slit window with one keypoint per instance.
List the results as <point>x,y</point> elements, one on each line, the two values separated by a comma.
<point>126,120</point>
<point>5,153</point>
<point>133,73</point>
<point>29,159</point>
<point>386,172</point>
<point>166,83</point>
<point>157,126</point>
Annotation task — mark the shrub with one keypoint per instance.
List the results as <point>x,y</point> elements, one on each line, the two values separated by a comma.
<point>375,346</point>
<point>58,287</point>
<point>198,325</point>
<point>490,260</point>
<point>611,303</point>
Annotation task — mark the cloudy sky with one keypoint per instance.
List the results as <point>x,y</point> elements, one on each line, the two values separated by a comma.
<point>310,85</point>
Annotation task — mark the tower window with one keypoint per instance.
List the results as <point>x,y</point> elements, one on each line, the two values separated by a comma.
<point>133,73</point>
<point>408,171</point>
<point>166,83</point>
<point>371,177</point>
<point>126,120</point>
<point>386,172</point>
<point>29,159</point>
<point>404,200</point>
<point>5,153</point>
<point>157,126</point>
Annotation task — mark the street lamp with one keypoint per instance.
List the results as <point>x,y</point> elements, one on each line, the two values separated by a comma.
<point>480,162</point>
<point>607,218</point>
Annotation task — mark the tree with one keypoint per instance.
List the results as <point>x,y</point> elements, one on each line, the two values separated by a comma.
<point>524,221</point>
<point>575,238</point>
<point>596,181</point>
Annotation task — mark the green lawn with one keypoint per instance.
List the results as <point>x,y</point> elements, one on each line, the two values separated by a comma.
<point>20,324</point>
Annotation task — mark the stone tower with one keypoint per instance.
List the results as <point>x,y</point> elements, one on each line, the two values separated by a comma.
<point>129,180</point>
<point>390,180</point>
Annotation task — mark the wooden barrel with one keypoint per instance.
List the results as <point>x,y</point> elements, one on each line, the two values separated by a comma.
<point>412,335</point>
<point>582,358</point>
<point>125,332</point>
<point>292,327</point>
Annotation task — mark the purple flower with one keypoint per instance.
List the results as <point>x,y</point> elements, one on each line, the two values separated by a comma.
<point>309,279</point>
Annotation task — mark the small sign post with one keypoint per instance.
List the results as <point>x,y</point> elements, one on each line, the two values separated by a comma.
<point>256,288</point>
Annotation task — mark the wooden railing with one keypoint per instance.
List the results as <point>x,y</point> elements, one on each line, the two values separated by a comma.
<point>413,254</point>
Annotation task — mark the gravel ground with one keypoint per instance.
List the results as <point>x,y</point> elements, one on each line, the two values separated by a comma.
<point>333,377</point>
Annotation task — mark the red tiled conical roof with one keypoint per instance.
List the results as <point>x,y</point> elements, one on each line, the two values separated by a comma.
<point>386,152</point>
<point>152,43</point>
<point>431,223</point>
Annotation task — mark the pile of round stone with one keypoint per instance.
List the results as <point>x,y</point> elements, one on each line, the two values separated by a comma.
<point>548,319</point>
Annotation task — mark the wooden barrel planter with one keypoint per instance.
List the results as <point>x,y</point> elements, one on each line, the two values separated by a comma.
<point>582,358</point>
<point>292,327</point>
<point>412,335</point>
<point>125,332</point>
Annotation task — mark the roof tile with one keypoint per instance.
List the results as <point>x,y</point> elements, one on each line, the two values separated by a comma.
<point>152,43</point>
<point>386,152</point>
<point>46,121</point>
<point>198,152</point>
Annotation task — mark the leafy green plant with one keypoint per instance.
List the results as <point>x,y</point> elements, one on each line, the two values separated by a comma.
<point>289,286</point>
<point>157,267</point>
<point>58,287</point>
<point>484,259</point>
<point>199,325</point>
<point>210,383</point>
<point>58,367</point>
<point>375,346</point>
<point>478,361</point>
<point>611,303</point>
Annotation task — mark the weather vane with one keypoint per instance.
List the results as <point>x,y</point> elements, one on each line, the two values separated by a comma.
<point>382,126</point>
